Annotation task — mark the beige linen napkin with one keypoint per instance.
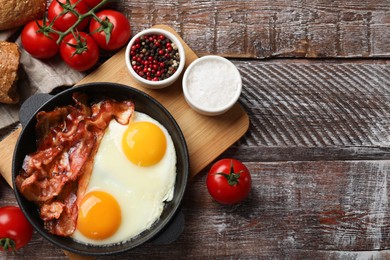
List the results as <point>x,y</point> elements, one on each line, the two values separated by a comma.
<point>38,76</point>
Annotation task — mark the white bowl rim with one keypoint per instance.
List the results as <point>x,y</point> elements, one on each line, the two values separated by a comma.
<point>211,111</point>
<point>174,76</point>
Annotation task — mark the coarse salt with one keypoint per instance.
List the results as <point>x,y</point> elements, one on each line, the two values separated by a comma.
<point>213,83</point>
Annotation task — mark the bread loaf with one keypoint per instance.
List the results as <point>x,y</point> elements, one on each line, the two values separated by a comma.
<point>14,13</point>
<point>9,65</point>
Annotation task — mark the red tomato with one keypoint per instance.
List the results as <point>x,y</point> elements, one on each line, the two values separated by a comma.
<point>228,181</point>
<point>64,21</point>
<point>38,41</point>
<point>92,3</point>
<point>79,51</point>
<point>15,230</point>
<point>113,32</point>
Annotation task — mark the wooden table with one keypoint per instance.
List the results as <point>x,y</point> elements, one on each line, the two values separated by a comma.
<point>316,87</point>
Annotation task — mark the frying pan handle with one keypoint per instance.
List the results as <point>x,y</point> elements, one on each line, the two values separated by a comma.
<point>31,105</point>
<point>172,231</point>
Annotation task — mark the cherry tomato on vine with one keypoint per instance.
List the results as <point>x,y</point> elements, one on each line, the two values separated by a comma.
<point>79,51</point>
<point>15,230</point>
<point>39,41</point>
<point>112,32</point>
<point>228,181</point>
<point>64,21</point>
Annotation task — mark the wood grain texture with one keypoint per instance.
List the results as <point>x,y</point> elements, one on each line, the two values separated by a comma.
<point>7,147</point>
<point>296,210</point>
<point>315,111</point>
<point>263,29</point>
<point>317,192</point>
<point>318,141</point>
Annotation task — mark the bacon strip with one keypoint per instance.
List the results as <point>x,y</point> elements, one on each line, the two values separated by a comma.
<point>56,175</point>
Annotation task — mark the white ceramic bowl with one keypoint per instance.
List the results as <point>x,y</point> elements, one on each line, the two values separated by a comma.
<point>211,85</point>
<point>165,82</point>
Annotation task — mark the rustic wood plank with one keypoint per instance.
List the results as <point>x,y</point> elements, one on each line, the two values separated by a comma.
<point>263,29</point>
<point>315,111</point>
<point>300,205</point>
<point>296,210</point>
<point>306,119</point>
<point>273,154</point>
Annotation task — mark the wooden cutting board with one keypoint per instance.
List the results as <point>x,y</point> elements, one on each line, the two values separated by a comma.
<point>207,137</point>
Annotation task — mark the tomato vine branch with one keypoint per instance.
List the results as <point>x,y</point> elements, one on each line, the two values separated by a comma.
<point>68,7</point>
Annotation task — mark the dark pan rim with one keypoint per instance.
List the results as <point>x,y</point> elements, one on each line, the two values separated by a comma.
<point>95,250</point>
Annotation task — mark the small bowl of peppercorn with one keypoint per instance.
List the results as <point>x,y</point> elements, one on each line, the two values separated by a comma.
<point>155,58</point>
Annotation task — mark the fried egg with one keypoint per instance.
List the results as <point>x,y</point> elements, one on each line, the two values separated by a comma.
<point>133,176</point>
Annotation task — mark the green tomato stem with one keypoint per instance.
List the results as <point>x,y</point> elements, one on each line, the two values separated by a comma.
<point>7,243</point>
<point>232,177</point>
<point>80,18</point>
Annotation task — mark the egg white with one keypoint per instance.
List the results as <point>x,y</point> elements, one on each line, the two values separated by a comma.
<point>140,191</point>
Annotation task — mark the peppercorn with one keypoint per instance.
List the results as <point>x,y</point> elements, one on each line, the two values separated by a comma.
<point>154,57</point>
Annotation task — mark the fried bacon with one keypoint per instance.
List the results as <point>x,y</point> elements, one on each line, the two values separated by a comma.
<point>56,175</point>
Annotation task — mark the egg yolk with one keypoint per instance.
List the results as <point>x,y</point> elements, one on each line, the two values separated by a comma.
<point>99,215</point>
<point>144,143</point>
